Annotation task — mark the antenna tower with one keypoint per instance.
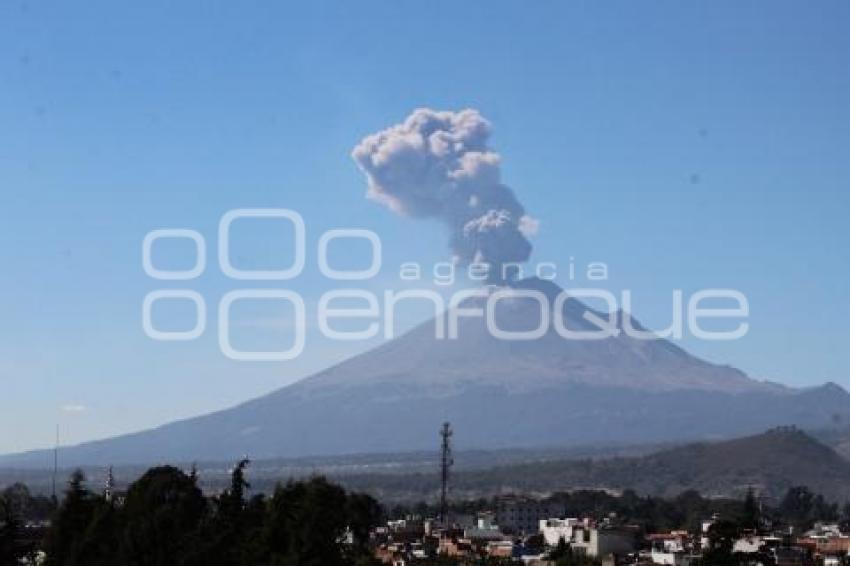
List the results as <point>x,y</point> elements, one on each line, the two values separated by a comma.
<point>446,463</point>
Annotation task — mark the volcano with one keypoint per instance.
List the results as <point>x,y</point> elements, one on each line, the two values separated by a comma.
<point>538,393</point>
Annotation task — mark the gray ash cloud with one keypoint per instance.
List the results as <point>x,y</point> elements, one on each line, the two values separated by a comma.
<point>437,164</point>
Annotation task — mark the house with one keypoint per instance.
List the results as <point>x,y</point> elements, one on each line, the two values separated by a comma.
<point>599,542</point>
<point>748,544</point>
<point>553,530</point>
<point>681,558</point>
<point>523,514</point>
<point>484,530</point>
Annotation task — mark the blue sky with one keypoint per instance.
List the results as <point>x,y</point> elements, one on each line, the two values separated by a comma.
<point>686,144</point>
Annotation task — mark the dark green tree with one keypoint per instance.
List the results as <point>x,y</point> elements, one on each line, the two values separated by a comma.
<point>222,537</point>
<point>254,550</point>
<point>162,513</point>
<point>721,536</point>
<point>99,545</point>
<point>11,547</point>
<point>232,501</point>
<point>751,515</point>
<point>307,523</point>
<point>363,513</point>
<point>800,508</point>
<point>70,523</point>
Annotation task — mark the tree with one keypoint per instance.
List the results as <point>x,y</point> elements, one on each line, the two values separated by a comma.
<point>163,511</point>
<point>99,545</point>
<point>751,515</point>
<point>166,521</point>
<point>232,502</point>
<point>222,538</point>
<point>363,513</point>
<point>11,549</point>
<point>253,542</point>
<point>800,508</point>
<point>721,538</point>
<point>796,507</point>
<point>70,523</point>
<point>307,523</point>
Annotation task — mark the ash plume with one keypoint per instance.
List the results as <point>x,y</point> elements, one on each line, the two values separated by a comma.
<point>437,164</point>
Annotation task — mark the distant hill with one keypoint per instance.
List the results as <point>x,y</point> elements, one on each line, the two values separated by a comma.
<point>770,462</point>
<point>837,437</point>
<point>498,394</point>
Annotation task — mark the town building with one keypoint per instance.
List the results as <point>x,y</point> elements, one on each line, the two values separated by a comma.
<point>522,515</point>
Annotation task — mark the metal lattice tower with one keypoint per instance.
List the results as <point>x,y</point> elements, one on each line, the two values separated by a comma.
<point>446,463</point>
<point>109,490</point>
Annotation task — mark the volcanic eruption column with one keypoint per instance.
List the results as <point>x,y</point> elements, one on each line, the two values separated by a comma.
<point>436,164</point>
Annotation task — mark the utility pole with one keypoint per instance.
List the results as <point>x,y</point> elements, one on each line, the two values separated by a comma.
<point>446,463</point>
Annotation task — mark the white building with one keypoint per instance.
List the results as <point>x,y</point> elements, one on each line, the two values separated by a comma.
<point>661,556</point>
<point>523,514</point>
<point>748,545</point>
<point>553,530</point>
<point>595,543</point>
<point>586,538</point>
<point>485,529</point>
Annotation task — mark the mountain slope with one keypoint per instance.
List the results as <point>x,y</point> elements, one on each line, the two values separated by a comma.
<point>544,392</point>
<point>479,358</point>
<point>770,463</point>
